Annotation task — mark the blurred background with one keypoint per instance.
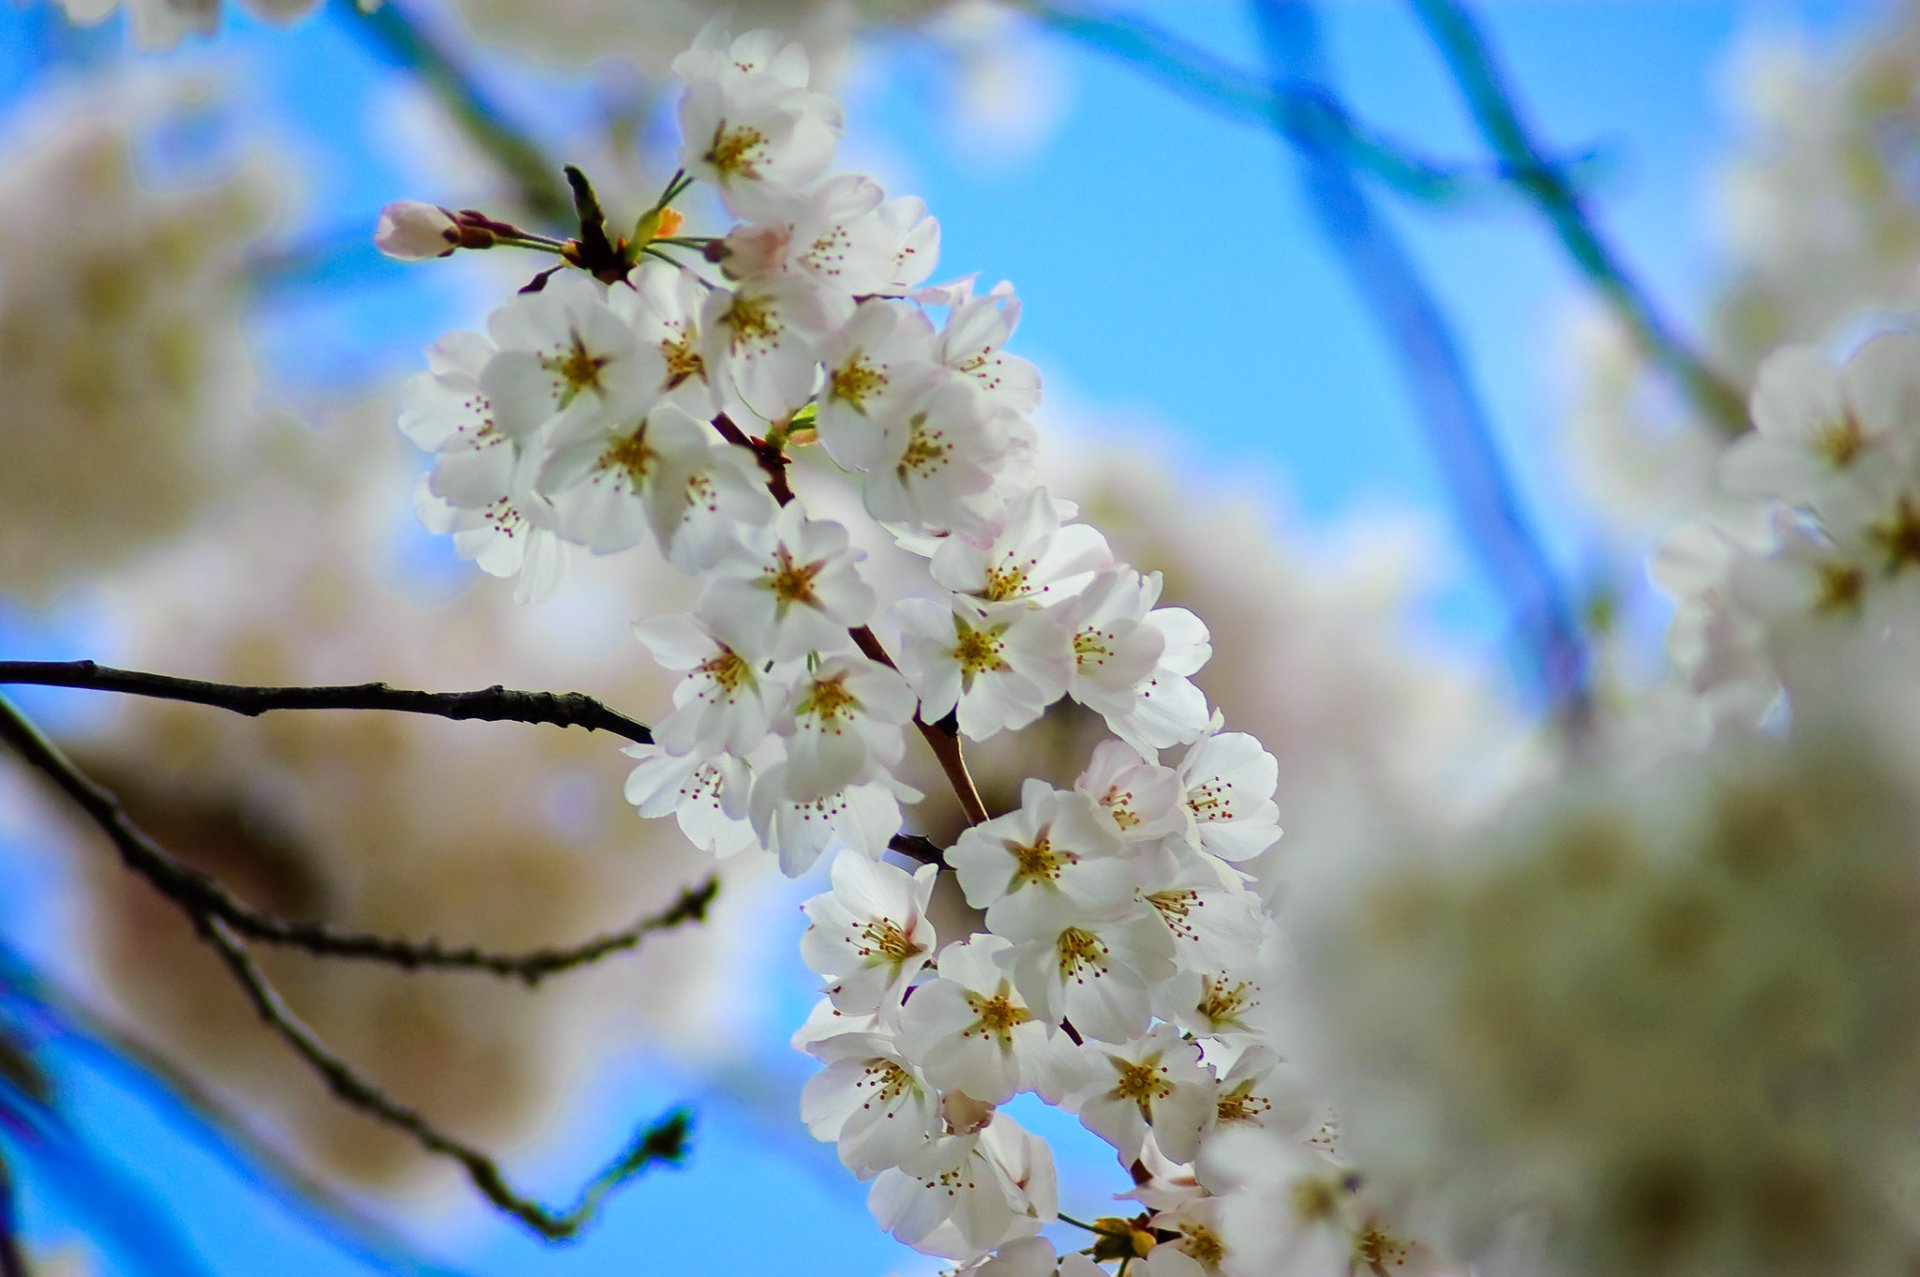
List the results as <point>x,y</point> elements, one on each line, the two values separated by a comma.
<point>1394,348</point>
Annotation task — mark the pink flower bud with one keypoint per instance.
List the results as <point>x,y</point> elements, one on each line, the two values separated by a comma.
<point>411,231</point>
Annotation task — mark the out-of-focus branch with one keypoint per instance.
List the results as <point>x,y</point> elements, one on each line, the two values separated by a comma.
<point>1305,115</point>
<point>329,1213</point>
<point>13,1260</point>
<point>1481,491</point>
<point>521,160</point>
<point>1484,87</point>
<point>665,1140</point>
<point>207,904</point>
<point>202,895</point>
<point>494,704</point>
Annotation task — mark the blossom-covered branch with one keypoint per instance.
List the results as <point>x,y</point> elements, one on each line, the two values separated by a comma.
<point>490,704</point>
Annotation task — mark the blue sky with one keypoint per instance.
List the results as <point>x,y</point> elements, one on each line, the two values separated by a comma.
<point>1170,272</point>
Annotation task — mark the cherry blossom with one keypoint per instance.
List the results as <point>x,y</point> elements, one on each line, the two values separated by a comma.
<point>869,935</point>
<point>1051,861</point>
<point>995,673</point>
<point>791,590</point>
<point>974,1030</point>
<point>872,1101</point>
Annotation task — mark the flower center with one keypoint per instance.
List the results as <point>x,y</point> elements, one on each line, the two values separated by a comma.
<point>630,455</point>
<point>728,670</point>
<point>1241,1104</point>
<point>884,938</point>
<point>978,652</point>
<point>829,701</point>
<point>1838,587</point>
<point>1004,583</point>
<point>997,1016</point>
<point>1899,537</point>
<point>1037,861</point>
<point>1092,648</point>
<point>1174,905</point>
<point>1211,800</point>
<point>854,380</point>
<point>887,1080</point>
<point>927,449</point>
<point>1081,955</point>
<point>576,368</point>
<point>682,356</point>
<point>1840,442</point>
<point>1142,1083</point>
<point>790,582</point>
<point>733,151</point>
<point>751,320</point>
<point>1221,1005</point>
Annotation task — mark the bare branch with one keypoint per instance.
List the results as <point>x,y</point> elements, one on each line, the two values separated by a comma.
<point>494,704</point>
<point>1471,60</point>
<point>221,920</point>
<point>665,1140</point>
<point>201,894</point>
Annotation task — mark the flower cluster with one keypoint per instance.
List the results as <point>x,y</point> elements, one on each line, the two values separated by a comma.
<point>660,398</point>
<point>1823,554</point>
<point>1653,1020</point>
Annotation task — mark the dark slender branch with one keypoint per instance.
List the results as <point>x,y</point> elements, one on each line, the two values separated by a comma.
<point>662,1141</point>
<point>1383,271</point>
<point>202,895</point>
<point>13,1260</point>
<point>1483,85</point>
<point>490,704</point>
<point>221,921</point>
<point>519,157</point>
<point>917,847</point>
<point>1309,115</point>
<point>330,1213</point>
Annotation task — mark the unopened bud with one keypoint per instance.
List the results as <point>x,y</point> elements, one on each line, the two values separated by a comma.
<point>410,231</point>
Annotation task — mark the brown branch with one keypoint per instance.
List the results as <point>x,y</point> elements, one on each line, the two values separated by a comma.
<point>221,920</point>
<point>494,704</point>
<point>202,895</point>
<point>943,738</point>
<point>13,1260</point>
<point>663,1141</point>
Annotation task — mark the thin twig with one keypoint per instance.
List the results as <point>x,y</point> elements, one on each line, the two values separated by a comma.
<point>207,904</point>
<point>520,158</point>
<point>202,895</point>
<point>329,1213</point>
<point>1485,500</point>
<point>665,1140</point>
<point>13,1260</point>
<point>490,704</point>
<point>1484,87</point>
<point>1309,115</point>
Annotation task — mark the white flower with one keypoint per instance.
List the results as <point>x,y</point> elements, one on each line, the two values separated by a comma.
<point>842,234</point>
<point>1229,782</point>
<point>875,365</point>
<point>1196,1248</point>
<point>566,358</point>
<point>489,512</point>
<point>760,344</point>
<point>616,477</point>
<point>1212,915</point>
<point>939,460</point>
<point>969,1193</point>
<point>749,125</point>
<point>663,308</point>
<point>707,797</point>
<point>999,672</point>
<point>1158,1082</point>
<point>726,702</point>
<point>844,725</point>
<point>870,935</point>
<point>1030,558</point>
<point>410,231</point>
<point>1132,661</point>
<point>792,589</point>
<point>1052,861</point>
<point>1817,426</point>
<point>862,818</point>
<point>973,343</point>
<point>872,1100</point>
<point>1144,800</point>
<point>1095,975</point>
<point>974,1032</point>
